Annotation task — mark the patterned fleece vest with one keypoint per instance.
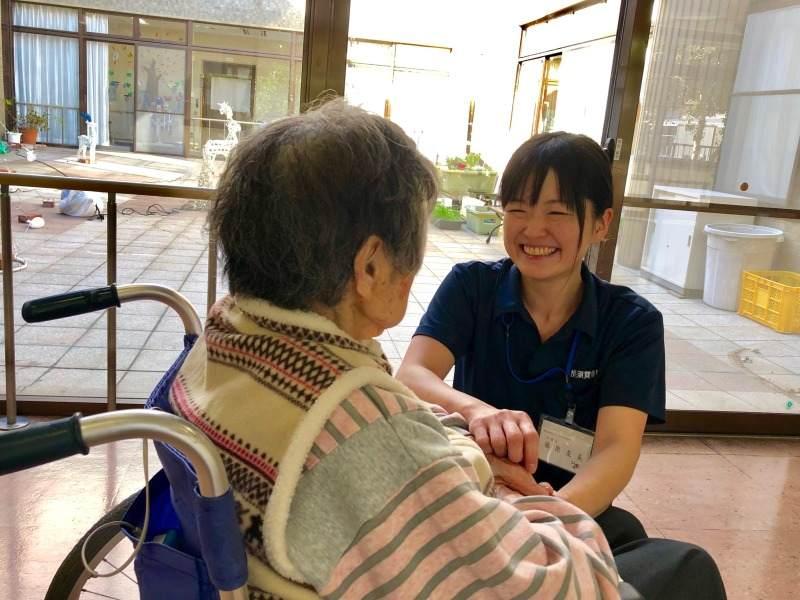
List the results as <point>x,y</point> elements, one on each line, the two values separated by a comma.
<point>261,383</point>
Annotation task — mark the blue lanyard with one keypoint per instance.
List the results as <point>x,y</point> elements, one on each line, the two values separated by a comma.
<point>550,373</point>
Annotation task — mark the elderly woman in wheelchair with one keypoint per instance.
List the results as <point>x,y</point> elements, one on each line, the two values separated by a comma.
<point>345,484</point>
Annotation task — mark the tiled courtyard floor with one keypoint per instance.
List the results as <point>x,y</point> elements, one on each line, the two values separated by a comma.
<point>716,360</point>
<point>67,357</point>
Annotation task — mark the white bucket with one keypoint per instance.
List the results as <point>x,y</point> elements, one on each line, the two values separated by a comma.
<point>732,249</point>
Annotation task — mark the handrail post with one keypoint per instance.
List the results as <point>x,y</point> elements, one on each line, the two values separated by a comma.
<point>111,314</point>
<point>10,421</point>
<point>211,290</point>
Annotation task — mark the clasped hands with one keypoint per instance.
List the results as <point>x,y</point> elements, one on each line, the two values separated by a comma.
<point>511,445</point>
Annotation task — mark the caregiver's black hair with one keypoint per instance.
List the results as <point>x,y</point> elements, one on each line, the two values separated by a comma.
<point>582,169</point>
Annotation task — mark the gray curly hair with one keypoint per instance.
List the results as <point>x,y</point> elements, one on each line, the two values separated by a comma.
<point>300,196</point>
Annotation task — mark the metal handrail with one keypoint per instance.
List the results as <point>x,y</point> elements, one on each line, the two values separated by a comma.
<point>111,188</point>
<point>104,185</point>
<point>212,120</point>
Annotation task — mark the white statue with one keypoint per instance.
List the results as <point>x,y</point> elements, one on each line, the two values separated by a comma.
<point>88,143</point>
<point>214,148</point>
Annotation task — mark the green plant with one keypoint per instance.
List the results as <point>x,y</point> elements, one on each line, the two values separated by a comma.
<point>440,211</point>
<point>470,162</point>
<point>34,120</point>
<point>11,121</point>
<point>473,159</point>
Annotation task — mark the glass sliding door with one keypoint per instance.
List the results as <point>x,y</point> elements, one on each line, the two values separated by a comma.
<point>583,75</point>
<point>141,76</point>
<point>110,91</point>
<point>256,88</point>
<point>709,230</point>
<point>565,65</point>
<point>160,83</point>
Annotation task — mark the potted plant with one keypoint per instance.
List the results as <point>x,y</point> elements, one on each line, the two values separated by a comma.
<point>446,217</point>
<point>466,175</point>
<point>31,123</point>
<point>12,133</point>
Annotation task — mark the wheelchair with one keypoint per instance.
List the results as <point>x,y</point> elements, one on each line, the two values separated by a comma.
<point>192,547</point>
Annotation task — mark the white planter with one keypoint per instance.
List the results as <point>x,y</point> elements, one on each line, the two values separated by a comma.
<point>14,137</point>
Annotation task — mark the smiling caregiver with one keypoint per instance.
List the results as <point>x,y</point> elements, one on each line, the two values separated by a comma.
<point>554,368</point>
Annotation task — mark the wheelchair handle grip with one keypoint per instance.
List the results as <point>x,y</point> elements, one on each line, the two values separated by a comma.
<point>40,444</point>
<point>70,304</point>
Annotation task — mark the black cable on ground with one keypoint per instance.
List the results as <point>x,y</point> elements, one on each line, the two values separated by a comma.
<point>154,209</point>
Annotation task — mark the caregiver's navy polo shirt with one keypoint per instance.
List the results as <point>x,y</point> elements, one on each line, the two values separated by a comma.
<point>619,359</point>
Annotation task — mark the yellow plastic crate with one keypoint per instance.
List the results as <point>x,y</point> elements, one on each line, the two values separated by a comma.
<point>772,298</point>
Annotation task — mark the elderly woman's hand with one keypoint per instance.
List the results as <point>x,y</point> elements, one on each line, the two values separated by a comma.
<point>505,434</point>
<point>517,478</point>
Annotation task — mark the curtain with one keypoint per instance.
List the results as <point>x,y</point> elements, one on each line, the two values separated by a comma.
<point>97,85</point>
<point>45,17</point>
<point>46,78</point>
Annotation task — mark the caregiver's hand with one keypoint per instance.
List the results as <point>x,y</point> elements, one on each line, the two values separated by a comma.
<point>504,433</point>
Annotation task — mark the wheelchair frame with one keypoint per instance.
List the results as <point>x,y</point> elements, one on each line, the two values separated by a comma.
<point>24,449</point>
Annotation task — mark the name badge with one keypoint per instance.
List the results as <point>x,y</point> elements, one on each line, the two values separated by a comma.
<point>563,444</point>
